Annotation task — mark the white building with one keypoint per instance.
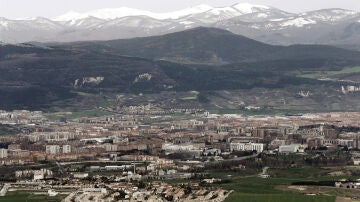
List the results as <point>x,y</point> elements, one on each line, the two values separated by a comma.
<point>293,148</point>
<point>51,136</point>
<point>66,149</point>
<point>246,147</point>
<point>52,149</point>
<point>110,147</point>
<point>80,175</point>
<point>39,176</point>
<point>3,153</point>
<point>342,142</point>
<point>35,174</point>
<point>178,147</point>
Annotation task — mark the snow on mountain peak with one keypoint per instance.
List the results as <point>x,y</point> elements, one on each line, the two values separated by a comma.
<point>246,8</point>
<point>330,15</point>
<point>71,15</point>
<point>199,8</point>
<point>297,22</point>
<point>4,22</point>
<point>187,11</point>
<point>26,18</point>
<point>113,13</point>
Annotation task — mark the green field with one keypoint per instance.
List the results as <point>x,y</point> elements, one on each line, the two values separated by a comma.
<point>316,75</point>
<point>104,103</point>
<point>299,173</point>
<point>84,94</point>
<point>281,197</point>
<point>80,114</point>
<point>8,130</point>
<point>260,111</point>
<point>20,196</point>
<point>255,189</point>
<point>189,98</point>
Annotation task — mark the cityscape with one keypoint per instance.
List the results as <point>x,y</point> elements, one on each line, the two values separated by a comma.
<point>220,101</point>
<point>149,153</point>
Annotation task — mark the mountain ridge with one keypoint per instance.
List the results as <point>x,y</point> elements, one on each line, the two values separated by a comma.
<point>206,45</point>
<point>208,60</point>
<point>262,23</point>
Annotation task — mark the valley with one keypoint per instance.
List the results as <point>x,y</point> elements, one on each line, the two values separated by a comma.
<point>220,103</point>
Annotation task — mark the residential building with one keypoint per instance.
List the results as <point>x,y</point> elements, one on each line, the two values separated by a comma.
<point>66,149</point>
<point>3,153</point>
<point>246,147</point>
<point>52,149</point>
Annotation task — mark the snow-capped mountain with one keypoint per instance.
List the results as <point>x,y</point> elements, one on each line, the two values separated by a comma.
<point>264,23</point>
<point>219,14</point>
<point>330,15</point>
<point>113,13</point>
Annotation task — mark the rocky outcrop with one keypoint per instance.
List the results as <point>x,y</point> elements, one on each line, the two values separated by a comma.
<point>88,80</point>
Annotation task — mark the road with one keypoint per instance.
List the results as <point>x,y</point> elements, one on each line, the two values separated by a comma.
<point>235,159</point>
<point>4,189</point>
<point>264,171</point>
<point>80,162</point>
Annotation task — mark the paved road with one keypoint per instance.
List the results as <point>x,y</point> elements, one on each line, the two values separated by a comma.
<point>79,162</point>
<point>4,189</point>
<point>234,159</point>
<point>264,171</point>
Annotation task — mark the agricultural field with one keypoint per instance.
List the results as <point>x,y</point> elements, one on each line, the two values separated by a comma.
<point>261,111</point>
<point>331,74</point>
<point>21,196</point>
<point>8,130</point>
<point>254,189</point>
<point>280,188</point>
<point>79,114</point>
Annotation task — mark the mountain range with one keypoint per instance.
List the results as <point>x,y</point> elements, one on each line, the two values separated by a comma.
<point>213,46</point>
<point>262,23</point>
<point>210,61</point>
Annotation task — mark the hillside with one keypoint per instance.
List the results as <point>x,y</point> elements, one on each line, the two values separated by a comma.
<point>217,47</point>
<point>40,76</point>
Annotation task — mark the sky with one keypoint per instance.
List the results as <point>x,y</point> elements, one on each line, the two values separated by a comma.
<point>14,9</point>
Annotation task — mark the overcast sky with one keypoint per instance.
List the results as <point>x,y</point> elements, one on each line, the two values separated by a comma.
<point>50,8</point>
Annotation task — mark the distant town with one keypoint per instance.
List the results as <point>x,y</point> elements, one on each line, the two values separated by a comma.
<point>146,153</point>
<point>179,101</point>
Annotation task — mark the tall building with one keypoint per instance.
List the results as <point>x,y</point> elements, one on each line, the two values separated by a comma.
<point>246,147</point>
<point>14,146</point>
<point>52,149</point>
<point>3,153</point>
<point>66,149</point>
